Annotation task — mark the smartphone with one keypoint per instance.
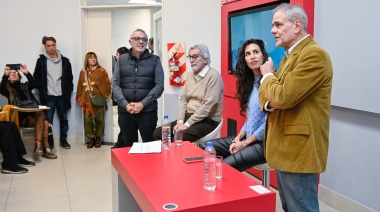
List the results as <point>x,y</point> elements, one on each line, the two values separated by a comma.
<point>13,66</point>
<point>193,159</point>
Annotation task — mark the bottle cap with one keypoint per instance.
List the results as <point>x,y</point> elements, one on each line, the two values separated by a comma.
<point>209,143</point>
<point>165,117</point>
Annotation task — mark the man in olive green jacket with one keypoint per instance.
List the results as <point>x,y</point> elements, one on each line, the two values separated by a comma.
<point>297,99</point>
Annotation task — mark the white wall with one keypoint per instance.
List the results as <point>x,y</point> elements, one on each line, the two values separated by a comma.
<point>24,23</point>
<point>350,182</point>
<point>125,21</point>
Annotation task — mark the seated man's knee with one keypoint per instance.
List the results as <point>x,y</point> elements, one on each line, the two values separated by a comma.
<point>157,133</point>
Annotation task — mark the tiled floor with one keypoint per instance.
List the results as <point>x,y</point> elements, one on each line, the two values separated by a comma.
<point>78,181</point>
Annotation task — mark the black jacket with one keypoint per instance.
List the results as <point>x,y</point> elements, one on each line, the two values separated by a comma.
<point>22,90</point>
<point>40,75</point>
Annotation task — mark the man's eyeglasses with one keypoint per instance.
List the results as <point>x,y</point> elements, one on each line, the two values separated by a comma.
<point>190,57</point>
<point>12,73</point>
<point>137,39</point>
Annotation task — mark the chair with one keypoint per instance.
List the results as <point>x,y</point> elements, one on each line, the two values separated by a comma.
<point>211,135</point>
<point>265,168</point>
<point>30,131</point>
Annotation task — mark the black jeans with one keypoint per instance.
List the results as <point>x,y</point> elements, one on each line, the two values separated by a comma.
<point>130,124</point>
<point>11,144</point>
<point>242,160</point>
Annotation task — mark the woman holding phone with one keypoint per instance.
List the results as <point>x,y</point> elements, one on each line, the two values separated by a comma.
<point>16,92</point>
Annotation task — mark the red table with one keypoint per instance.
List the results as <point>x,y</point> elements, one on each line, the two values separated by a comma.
<point>146,182</point>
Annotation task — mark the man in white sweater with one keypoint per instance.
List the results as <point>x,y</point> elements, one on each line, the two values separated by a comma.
<point>201,102</point>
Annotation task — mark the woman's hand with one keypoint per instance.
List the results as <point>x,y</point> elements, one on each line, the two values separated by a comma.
<point>23,69</point>
<point>236,145</point>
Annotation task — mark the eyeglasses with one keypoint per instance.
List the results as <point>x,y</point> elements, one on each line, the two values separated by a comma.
<point>12,73</point>
<point>190,57</point>
<point>137,39</point>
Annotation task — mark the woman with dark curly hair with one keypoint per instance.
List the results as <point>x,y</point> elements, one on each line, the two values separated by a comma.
<point>246,149</point>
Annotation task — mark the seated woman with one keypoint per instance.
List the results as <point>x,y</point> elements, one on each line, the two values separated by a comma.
<point>12,88</point>
<point>246,149</point>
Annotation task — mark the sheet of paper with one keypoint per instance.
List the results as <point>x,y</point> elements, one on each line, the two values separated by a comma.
<point>260,189</point>
<point>149,147</point>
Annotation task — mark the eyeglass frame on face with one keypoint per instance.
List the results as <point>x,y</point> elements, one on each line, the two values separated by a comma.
<point>195,57</point>
<point>138,39</point>
<point>13,73</point>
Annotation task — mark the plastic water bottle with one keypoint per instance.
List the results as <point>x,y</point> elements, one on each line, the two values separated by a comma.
<point>209,170</point>
<point>165,134</point>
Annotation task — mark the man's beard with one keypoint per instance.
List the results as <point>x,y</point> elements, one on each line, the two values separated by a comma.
<point>196,67</point>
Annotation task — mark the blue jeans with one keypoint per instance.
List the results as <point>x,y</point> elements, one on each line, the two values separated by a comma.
<point>298,191</point>
<point>57,102</point>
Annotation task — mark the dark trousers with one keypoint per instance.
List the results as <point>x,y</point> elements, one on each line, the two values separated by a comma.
<point>194,132</point>
<point>120,142</point>
<point>242,160</point>
<point>130,124</point>
<point>11,144</point>
<point>57,102</point>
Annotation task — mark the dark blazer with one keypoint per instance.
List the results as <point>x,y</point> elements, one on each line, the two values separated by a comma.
<point>297,132</point>
<point>40,75</point>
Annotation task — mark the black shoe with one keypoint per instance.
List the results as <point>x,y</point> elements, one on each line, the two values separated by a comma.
<point>14,170</point>
<point>25,163</point>
<point>64,144</point>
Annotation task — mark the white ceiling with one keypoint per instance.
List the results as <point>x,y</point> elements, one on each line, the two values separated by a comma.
<point>117,2</point>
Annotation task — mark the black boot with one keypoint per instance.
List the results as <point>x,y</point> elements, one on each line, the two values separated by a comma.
<point>64,144</point>
<point>50,137</point>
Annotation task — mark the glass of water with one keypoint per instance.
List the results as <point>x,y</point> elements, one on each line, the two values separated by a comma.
<point>219,167</point>
<point>178,137</point>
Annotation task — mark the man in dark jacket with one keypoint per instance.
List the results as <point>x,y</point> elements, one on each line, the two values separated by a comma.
<point>54,80</point>
<point>137,83</point>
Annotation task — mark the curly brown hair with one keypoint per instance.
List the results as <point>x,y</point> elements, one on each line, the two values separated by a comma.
<point>244,75</point>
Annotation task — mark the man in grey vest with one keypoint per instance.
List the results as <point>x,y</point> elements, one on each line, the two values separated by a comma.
<point>137,83</point>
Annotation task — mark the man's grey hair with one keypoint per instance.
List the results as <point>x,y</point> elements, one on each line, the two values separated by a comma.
<point>139,30</point>
<point>293,12</point>
<point>204,51</point>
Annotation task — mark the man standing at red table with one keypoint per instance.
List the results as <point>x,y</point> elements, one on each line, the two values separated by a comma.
<point>137,83</point>
<point>297,99</point>
<point>54,80</point>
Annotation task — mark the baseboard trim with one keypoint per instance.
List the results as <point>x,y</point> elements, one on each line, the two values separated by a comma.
<point>339,202</point>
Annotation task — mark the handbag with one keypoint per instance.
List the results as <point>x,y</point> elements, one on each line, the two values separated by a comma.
<point>96,100</point>
<point>28,104</point>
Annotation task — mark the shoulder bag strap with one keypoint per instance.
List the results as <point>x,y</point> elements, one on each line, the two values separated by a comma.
<point>88,86</point>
